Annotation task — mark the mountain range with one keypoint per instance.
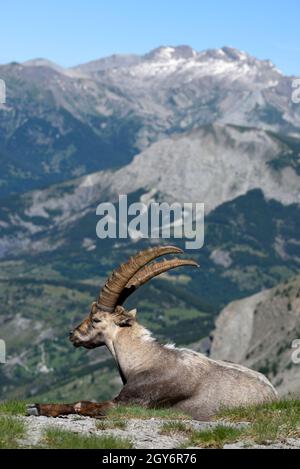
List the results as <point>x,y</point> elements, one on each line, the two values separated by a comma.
<point>60,123</point>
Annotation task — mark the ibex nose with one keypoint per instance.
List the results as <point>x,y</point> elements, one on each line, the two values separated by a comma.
<point>71,334</point>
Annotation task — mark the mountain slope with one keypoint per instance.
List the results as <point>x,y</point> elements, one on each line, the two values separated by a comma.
<point>258,331</point>
<point>215,164</point>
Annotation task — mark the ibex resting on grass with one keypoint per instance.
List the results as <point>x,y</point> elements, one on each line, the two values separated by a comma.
<point>156,375</point>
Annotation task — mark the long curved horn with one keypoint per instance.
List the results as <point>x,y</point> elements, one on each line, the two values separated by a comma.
<point>108,297</point>
<point>150,271</point>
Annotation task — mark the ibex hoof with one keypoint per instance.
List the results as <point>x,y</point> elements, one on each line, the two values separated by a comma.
<point>32,409</point>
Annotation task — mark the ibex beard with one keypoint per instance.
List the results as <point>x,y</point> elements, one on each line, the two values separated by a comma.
<point>156,375</point>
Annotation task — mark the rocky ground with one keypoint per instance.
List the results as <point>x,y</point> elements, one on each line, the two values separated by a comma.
<point>290,443</point>
<point>144,434</point>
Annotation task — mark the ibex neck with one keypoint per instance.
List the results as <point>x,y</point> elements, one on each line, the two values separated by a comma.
<point>133,350</point>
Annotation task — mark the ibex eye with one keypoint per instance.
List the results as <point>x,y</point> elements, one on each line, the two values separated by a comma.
<point>96,320</point>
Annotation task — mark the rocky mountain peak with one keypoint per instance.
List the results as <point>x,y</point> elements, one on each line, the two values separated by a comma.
<point>170,52</point>
<point>41,62</point>
<point>234,54</point>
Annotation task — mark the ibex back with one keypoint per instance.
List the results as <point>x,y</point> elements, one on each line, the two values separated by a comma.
<point>156,375</point>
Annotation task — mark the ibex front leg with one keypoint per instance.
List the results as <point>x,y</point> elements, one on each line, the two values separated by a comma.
<point>85,408</point>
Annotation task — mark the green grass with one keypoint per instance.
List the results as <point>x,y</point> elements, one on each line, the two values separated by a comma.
<point>170,428</point>
<point>55,438</point>
<point>11,430</point>
<point>286,408</point>
<point>215,438</point>
<point>13,407</point>
<point>137,412</point>
<point>109,424</point>
<point>269,422</point>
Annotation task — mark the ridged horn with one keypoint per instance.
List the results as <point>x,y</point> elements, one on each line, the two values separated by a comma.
<point>109,294</point>
<point>149,271</point>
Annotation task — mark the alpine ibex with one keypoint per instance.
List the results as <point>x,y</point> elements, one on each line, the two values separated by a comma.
<point>156,375</point>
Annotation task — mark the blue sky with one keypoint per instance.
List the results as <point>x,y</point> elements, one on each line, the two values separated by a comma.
<point>75,31</point>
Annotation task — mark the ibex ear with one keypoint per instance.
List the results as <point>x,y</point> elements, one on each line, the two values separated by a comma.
<point>132,313</point>
<point>94,308</point>
<point>126,319</point>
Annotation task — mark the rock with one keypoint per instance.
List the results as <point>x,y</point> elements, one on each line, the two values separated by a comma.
<point>258,332</point>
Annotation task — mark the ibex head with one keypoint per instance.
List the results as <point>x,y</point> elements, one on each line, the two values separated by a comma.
<point>107,315</point>
<point>101,326</point>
